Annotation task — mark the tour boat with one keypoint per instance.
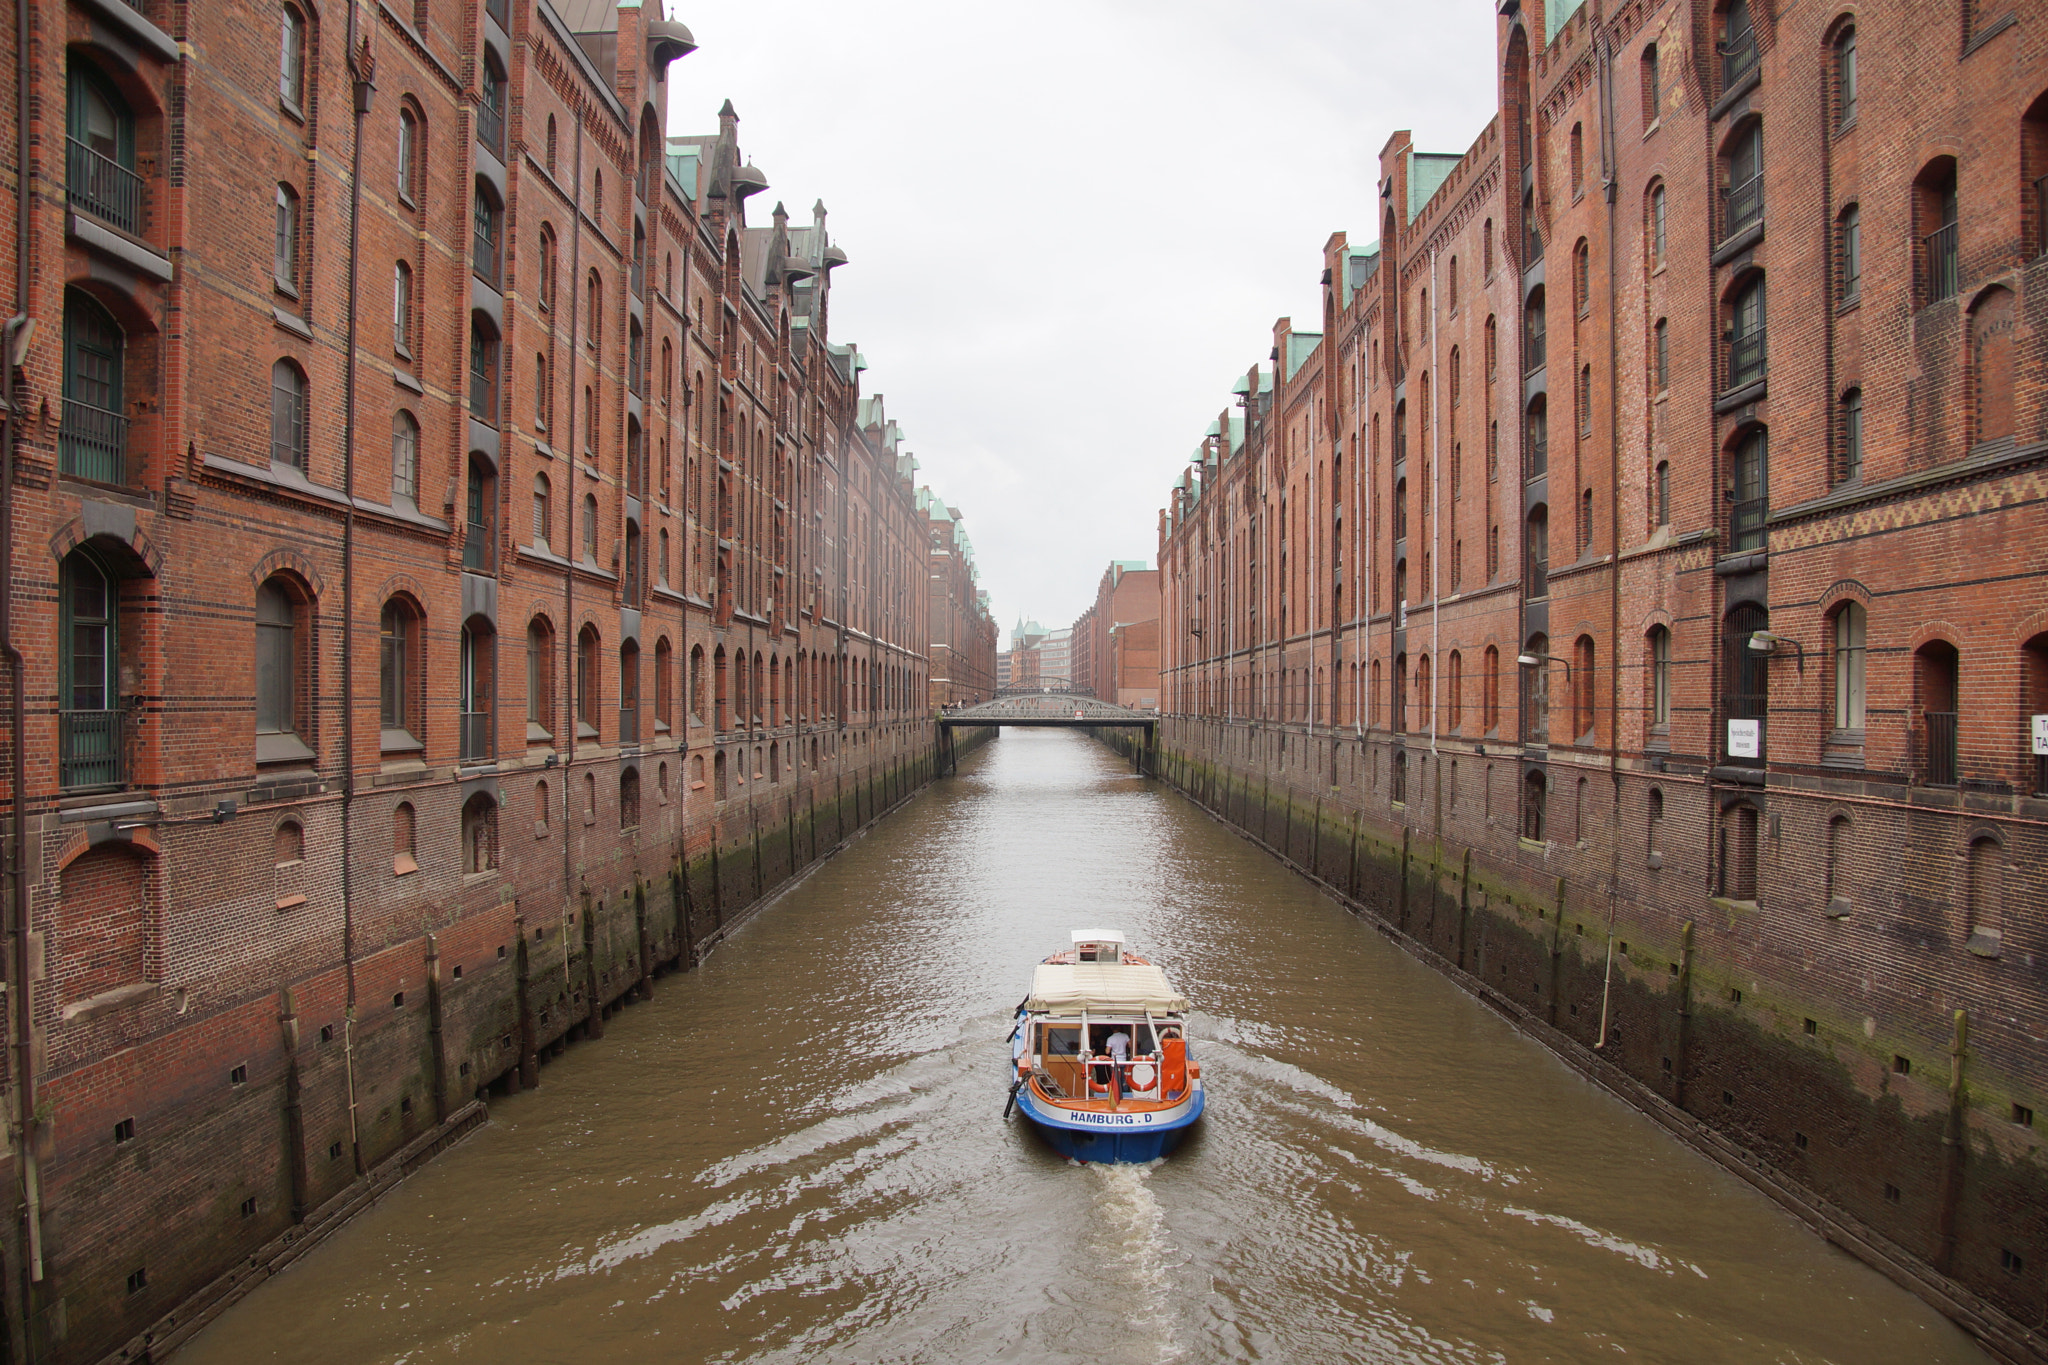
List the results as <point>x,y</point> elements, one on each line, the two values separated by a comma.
<point>1100,1054</point>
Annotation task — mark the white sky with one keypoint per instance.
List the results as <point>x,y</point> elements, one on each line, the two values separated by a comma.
<point>1073,224</point>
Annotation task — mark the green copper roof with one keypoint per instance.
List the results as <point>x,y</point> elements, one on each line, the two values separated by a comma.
<point>1427,172</point>
<point>1555,14</point>
<point>1300,346</point>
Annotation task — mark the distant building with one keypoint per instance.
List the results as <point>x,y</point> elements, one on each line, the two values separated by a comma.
<point>1116,642</point>
<point>962,650</point>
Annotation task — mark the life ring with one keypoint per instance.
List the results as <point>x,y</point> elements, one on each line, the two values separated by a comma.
<point>1142,1075</point>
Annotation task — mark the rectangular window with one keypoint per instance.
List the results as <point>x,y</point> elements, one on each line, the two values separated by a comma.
<point>1663,337</point>
<point>1851,652</point>
<point>1852,435</point>
<point>1852,253</point>
<point>285,255</point>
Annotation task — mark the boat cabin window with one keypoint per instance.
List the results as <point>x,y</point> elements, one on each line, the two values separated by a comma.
<point>1099,951</point>
<point>1061,1040</point>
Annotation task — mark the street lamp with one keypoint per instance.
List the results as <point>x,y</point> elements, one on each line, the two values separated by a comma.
<point>1767,642</point>
<point>1536,660</point>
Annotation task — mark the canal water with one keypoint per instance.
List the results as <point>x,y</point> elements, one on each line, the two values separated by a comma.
<point>797,1153</point>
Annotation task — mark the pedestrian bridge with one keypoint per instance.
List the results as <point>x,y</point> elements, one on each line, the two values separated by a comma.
<point>1052,710</point>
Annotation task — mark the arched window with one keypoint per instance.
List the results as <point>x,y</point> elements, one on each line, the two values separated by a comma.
<point>490,109</point>
<point>1749,471</point>
<point>1582,279</point>
<point>1455,700</point>
<point>1747,681</point>
<point>1834,886</point>
<point>291,66</point>
<point>1937,694</point>
<point>1851,649</point>
<point>592,329</point>
<point>1582,691</point>
<point>1539,437</point>
<point>590,527</point>
<point>629,693</point>
<point>698,709</point>
<point>544,282</point>
<point>629,582</point>
<point>553,144</point>
<point>288,402</point>
<point>1489,717</point>
<point>1849,253</point>
<point>476,679</point>
<point>405,458</point>
<point>399,673</point>
<point>1991,366</point>
<point>486,222</point>
<point>1934,222</point>
<point>1654,831</point>
<point>406,159</point>
<point>1850,466</point>
<point>540,680</point>
<point>589,677</point>
<point>1738,44</point>
<point>664,685</point>
<point>1738,849</point>
<point>1660,338</point>
<point>401,309</point>
<point>722,716</point>
<point>1845,79</point>
<point>1537,552</point>
<point>479,834</point>
<point>1985,896</point>
<point>1535,803</point>
<point>277,675</point>
<point>543,810</point>
<point>1742,202</point>
<point>88,656</point>
<point>1660,679</point>
<point>1746,354</point>
<point>92,441</point>
<point>629,798</point>
<point>480,516</point>
<point>1652,87</point>
<point>1583,404</point>
<point>1536,689</point>
<point>543,516</point>
<point>285,241</point>
<point>1400,791</point>
<point>718,765</point>
<point>288,842</point>
<point>1535,344</point>
<point>100,162</point>
<point>404,839</point>
<point>483,370</point>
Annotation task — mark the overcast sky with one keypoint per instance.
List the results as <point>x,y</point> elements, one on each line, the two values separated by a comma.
<point>1073,224</point>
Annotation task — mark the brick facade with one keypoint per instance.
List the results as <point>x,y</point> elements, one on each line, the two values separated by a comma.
<point>1708,379</point>
<point>444,595</point>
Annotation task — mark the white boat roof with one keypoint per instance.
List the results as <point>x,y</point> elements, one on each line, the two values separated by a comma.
<point>1107,987</point>
<point>1097,936</point>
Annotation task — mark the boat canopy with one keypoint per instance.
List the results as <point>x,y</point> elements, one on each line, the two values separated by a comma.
<point>1104,987</point>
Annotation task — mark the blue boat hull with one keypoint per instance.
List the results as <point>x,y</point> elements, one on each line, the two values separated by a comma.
<point>1129,1141</point>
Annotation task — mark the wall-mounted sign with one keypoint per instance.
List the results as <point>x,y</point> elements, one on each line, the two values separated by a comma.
<point>2041,734</point>
<point>1745,739</point>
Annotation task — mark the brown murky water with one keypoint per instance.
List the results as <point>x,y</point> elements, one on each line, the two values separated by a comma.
<point>796,1154</point>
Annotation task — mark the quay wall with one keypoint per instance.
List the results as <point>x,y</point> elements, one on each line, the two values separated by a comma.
<point>244,1149</point>
<point>1842,1079</point>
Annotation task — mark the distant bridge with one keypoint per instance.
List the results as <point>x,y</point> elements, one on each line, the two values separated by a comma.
<point>1053,710</point>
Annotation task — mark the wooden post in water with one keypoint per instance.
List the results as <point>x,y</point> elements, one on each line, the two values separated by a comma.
<point>436,1056</point>
<point>1464,905</point>
<point>527,1073</point>
<point>1406,836</point>
<point>593,1017</point>
<point>294,1112</point>
<point>1557,948</point>
<point>1678,1062</point>
<point>1954,1141</point>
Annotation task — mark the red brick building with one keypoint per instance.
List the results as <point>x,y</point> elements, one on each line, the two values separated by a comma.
<point>1697,591</point>
<point>450,569</point>
<point>1116,641</point>
<point>962,653</point>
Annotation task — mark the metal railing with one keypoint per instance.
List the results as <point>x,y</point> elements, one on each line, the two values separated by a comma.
<point>103,187</point>
<point>92,443</point>
<point>1941,749</point>
<point>1942,278</point>
<point>1539,451</point>
<point>486,252</point>
<point>90,749</point>
<point>1737,59</point>
<point>1746,358</point>
<point>476,735</point>
<point>483,398</point>
<point>490,129</point>
<point>1746,524</point>
<point>1535,349</point>
<point>636,277</point>
<point>1741,205</point>
<point>476,548</point>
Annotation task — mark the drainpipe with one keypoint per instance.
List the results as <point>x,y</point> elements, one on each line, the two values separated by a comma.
<point>569,719</point>
<point>1610,187</point>
<point>17,701</point>
<point>361,71</point>
<point>1436,533</point>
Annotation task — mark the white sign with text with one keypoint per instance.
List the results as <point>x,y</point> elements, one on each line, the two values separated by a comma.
<point>2041,735</point>
<point>1745,739</point>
